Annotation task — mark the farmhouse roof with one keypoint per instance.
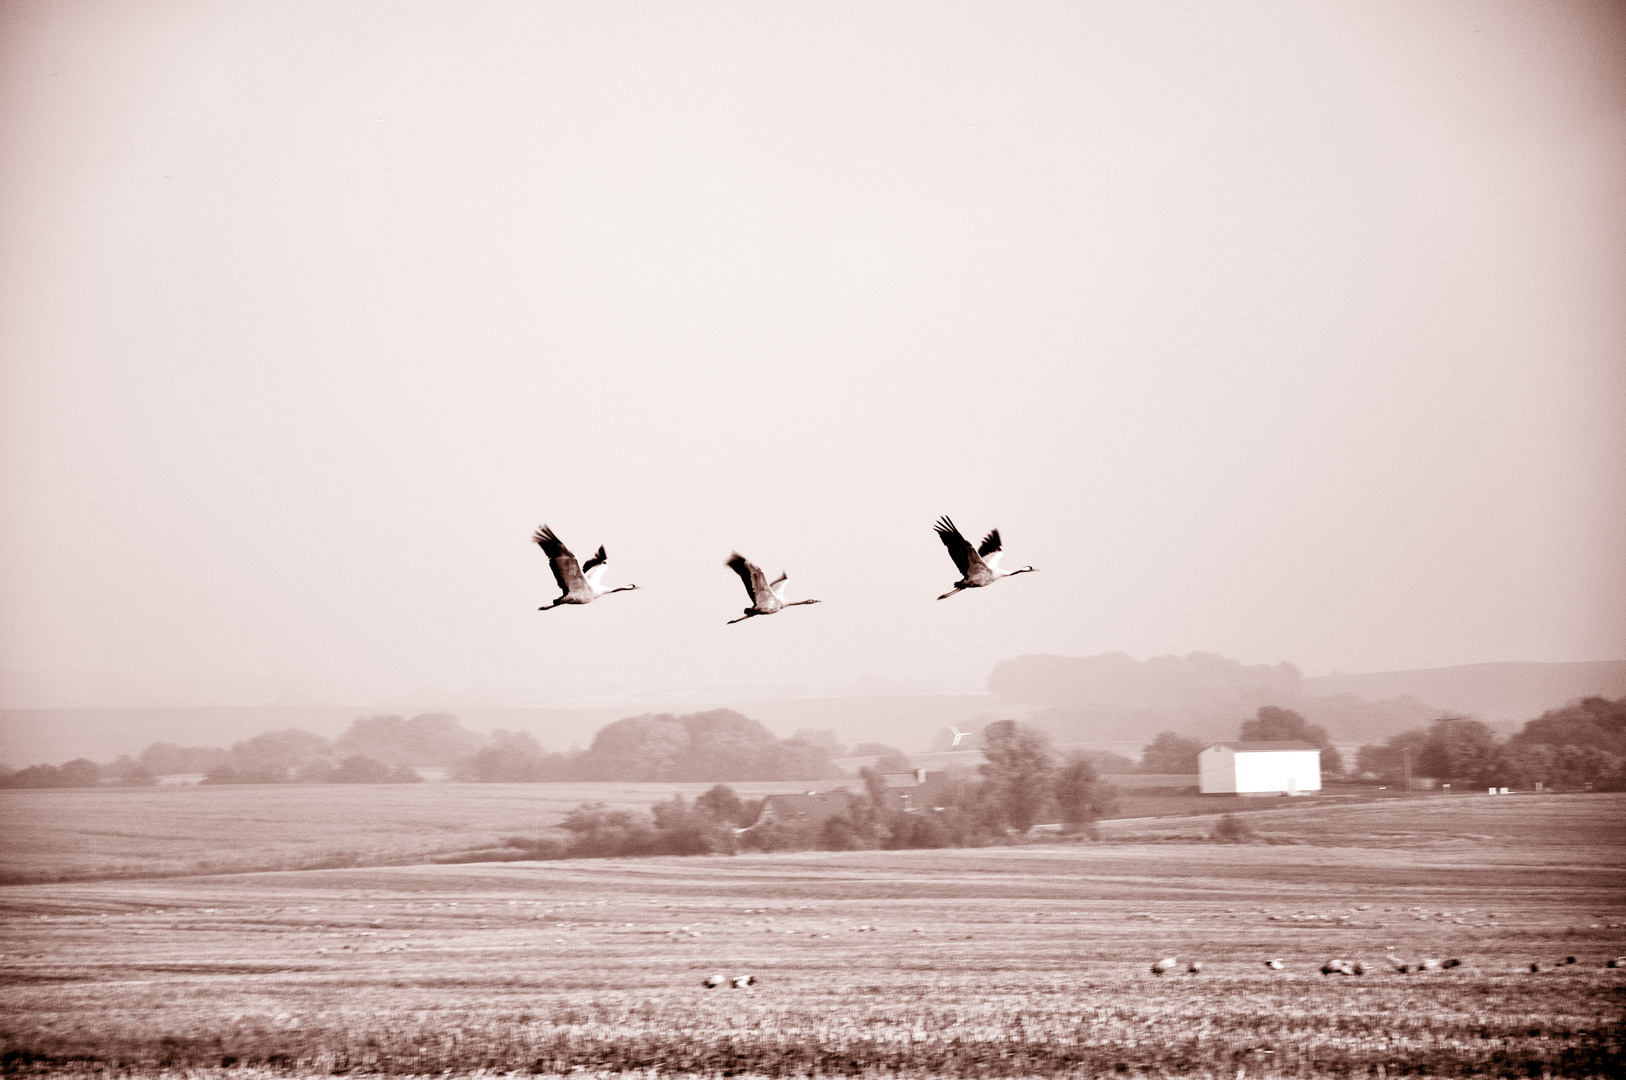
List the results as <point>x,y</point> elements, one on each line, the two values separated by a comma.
<point>1263,747</point>
<point>812,809</point>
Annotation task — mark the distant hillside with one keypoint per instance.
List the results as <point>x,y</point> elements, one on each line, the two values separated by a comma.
<point>29,736</point>
<point>1115,699</point>
<point>1503,691</point>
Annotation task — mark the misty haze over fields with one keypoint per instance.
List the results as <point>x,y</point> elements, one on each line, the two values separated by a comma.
<point>1270,335</point>
<point>1111,701</point>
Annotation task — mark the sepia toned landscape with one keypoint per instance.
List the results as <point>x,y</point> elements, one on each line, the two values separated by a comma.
<point>1017,960</point>
<point>843,539</point>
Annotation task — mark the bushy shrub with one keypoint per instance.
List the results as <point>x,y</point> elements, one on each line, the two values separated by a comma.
<point>1230,829</point>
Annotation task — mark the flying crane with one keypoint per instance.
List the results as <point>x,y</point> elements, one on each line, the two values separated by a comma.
<point>978,566</point>
<point>578,584</point>
<point>767,597</point>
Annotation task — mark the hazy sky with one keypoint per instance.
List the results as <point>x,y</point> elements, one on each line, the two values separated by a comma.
<point>1283,331</point>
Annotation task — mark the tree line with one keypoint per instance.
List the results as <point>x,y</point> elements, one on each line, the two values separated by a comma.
<point>1582,745</point>
<point>1173,753</point>
<point>710,746</point>
<point>1022,783</point>
<point>1578,746</point>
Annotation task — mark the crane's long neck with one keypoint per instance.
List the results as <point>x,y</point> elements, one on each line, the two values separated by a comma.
<point>798,603</point>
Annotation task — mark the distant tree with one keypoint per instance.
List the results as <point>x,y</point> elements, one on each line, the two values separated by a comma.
<point>167,759</point>
<point>1018,774</point>
<point>1081,796</point>
<point>36,776</point>
<point>721,804</point>
<point>1230,829</point>
<point>1108,763</point>
<point>426,739</point>
<point>720,745</point>
<point>1458,750</point>
<point>687,829</point>
<point>597,831</point>
<point>841,833</point>
<point>357,769</point>
<point>1170,753</point>
<point>278,752</point>
<point>81,772</point>
<point>1272,724</point>
<point>824,739</point>
<point>889,759</point>
<point>1387,762</point>
<point>1595,721</point>
<point>128,772</point>
<point>315,772</point>
<point>403,774</point>
<point>509,757</point>
<point>1524,765</point>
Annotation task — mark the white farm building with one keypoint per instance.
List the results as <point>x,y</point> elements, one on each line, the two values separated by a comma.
<point>1248,768</point>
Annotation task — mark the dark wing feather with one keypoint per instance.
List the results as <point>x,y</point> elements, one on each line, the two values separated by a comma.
<point>959,548</point>
<point>756,582</point>
<point>596,560</point>
<point>990,544</point>
<point>561,561</point>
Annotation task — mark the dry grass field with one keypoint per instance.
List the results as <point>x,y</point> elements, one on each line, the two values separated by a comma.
<point>78,834</point>
<point>86,833</point>
<point>1027,960</point>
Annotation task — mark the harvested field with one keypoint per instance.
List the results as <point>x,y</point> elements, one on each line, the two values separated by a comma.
<point>1010,961</point>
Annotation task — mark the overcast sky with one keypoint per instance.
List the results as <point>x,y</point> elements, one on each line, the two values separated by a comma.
<point>1283,331</point>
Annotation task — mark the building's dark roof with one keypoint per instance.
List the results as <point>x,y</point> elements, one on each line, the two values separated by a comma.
<point>1264,747</point>
<point>812,809</point>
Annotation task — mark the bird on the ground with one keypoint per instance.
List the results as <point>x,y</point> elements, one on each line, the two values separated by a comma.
<point>1168,963</point>
<point>1194,968</point>
<point>767,597</point>
<point>978,565</point>
<point>712,982</point>
<point>578,583</point>
<point>743,982</point>
<point>1275,965</point>
<point>1617,962</point>
<point>1343,967</point>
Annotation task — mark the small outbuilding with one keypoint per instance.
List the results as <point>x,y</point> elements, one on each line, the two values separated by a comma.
<point>1259,768</point>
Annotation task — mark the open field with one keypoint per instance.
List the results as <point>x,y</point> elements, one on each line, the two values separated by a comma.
<point>79,833</point>
<point>73,834</point>
<point>1008,961</point>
